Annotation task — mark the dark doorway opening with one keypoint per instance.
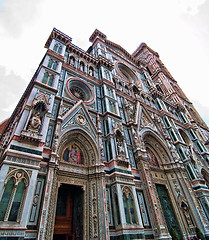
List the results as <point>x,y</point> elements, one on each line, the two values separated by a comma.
<point>168,210</point>
<point>69,213</point>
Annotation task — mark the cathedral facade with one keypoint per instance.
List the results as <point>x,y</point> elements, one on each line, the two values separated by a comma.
<point>103,144</point>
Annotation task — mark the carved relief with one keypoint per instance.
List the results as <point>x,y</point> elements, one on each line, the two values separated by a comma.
<point>130,110</point>
<point>146,122</point>
<point>32,132</point>
<point>35,122</point>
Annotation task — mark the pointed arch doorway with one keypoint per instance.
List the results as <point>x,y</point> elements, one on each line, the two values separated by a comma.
<point>69,213</point>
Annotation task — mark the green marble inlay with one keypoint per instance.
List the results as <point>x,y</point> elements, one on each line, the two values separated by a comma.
<point>31,227</point>
<point>200,187</point>
<point>27,150</point>
<point>149,236</point>
<point>11,238</point>
<point>128,237</point>
<point>118,170</point>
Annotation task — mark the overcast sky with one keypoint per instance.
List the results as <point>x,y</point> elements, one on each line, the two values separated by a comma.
<point>177,29</point>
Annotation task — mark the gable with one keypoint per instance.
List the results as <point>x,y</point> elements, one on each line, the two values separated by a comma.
<point>79,117</point>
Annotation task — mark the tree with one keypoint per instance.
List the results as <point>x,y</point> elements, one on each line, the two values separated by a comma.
<point>174,235</point>
<point>199,234</point>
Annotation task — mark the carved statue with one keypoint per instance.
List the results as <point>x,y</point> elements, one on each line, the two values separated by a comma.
<point>120,148</point>
<point>135,139</point>
<point>138,142</point>
<point>90,72</point>
<point>35,122</point>
<point>131,112</point>
<point>72,62</point>
<point>195,159</point>
<point>187,215</point>
<point>172,149</point>
<point>188,153</point>
<point>174,152</point>
<point>141,142</point>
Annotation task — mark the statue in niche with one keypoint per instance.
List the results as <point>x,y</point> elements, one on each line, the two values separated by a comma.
<point>35,122</point>
<point>91,73</point>
<point>120,148</point>
<point>172,149</point>
<point>195,159</point>
<point>142,144</point>
<point>131,111</point>
<point>72,61</point>
<point>56,138</point>
<point>135,139</point>
<point>119,140</point>
<point>187,216</point>
<point>174,152</point>
<point>168,141</point>
<point>38,111</point>
<point>188,152</point>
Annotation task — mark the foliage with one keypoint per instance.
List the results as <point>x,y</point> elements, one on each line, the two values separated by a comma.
<point>174,235</point>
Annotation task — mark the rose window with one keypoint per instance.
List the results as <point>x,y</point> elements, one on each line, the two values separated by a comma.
<point>78,93</point>
<point>79,90</point>
<point>126,72</point>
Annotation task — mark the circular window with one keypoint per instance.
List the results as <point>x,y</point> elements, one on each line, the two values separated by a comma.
<point>126,72</point>
<point>79,90</point>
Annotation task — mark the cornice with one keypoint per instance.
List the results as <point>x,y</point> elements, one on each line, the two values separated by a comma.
<point>123,51</point>
<point>80,73</point>
<point>141,48</point>
<point>96,61</point>
<point>58,35</point>
<point>45,86</point>
<point>95,34</point>
<point>55,55</point>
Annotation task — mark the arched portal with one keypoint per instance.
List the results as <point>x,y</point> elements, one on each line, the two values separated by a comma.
<point>76,188</point>
<point>157,151</point>
<point>158,157</point>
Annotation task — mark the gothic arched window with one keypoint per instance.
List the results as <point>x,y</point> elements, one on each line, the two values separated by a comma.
<point>117,209</point>
<point>48,79</point>
<point>55,66</point>
<point>50,63</point>
<point>82,66</point>
<point>60,49</point>
<point>129,208</point>
<point>55,47</point>
<point>13,196</point>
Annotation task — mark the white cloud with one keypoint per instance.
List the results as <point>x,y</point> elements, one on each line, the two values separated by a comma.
<point>12,87</point>
<point>25,26</point>
<point>16,14</point>
<point>190,6</point>
<point>203,110</point>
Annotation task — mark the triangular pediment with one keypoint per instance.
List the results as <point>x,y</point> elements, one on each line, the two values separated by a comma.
<point>79,117</point>
<point>146,121</point>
